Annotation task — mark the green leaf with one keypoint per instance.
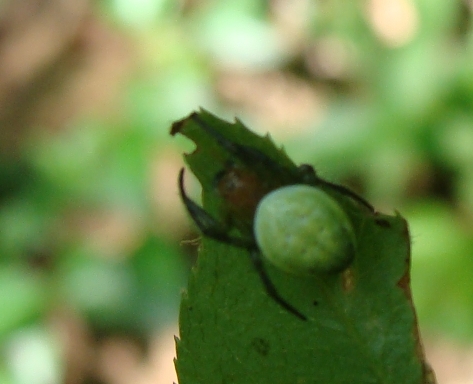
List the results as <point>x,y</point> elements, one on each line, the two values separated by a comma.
<point>361,325</point>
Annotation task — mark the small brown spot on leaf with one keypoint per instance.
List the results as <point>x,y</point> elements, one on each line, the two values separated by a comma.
<point>404,284</point>
<point>348,280</point>
<point>261,346</point>
<point>429,374</point>
<point>382,223</point>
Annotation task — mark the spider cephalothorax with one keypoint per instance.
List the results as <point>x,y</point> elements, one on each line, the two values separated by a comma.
<point>280,212</point>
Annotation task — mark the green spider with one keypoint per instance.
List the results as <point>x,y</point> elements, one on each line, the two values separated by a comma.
<point>287,219</point>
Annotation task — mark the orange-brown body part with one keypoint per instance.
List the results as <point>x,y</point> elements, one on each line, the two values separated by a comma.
<point>242,190</point>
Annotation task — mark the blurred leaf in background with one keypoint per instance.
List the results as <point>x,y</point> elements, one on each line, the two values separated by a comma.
<point>376,94</point>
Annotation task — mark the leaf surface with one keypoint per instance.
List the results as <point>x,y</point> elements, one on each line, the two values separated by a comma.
<point>361,324</point>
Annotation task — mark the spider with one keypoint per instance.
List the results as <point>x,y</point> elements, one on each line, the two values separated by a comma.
<point>265,210</point>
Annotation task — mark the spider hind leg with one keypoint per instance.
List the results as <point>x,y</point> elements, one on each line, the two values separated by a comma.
<point>269,286</point>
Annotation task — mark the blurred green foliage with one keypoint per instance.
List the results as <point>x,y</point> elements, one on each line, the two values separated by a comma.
<point>396,124</point>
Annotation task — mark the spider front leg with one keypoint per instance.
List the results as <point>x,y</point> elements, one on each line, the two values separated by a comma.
<point>208,225</point>
<point>308,176</point>
<point>345,191</point>
<point>247,155</point>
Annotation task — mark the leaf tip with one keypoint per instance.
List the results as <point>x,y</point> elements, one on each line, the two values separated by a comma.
<point>178,125</point>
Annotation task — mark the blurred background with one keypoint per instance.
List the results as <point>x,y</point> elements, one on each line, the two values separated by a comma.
<point>377,94</point>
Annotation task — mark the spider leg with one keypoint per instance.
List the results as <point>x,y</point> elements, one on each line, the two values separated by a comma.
<point>345,191</point>
<point>269,286</point>
<point>254,157</point>
<point>208,225</point>
<point>248,155</point>
<point>308,175</point>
